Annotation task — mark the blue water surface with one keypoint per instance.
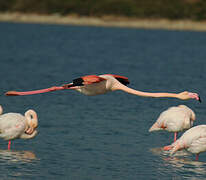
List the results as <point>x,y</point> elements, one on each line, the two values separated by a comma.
<point>101,137</point>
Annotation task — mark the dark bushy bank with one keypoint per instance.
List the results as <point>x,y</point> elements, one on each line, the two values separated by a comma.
<point>170,9</point>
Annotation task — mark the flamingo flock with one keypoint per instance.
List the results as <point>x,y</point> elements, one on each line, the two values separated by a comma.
<point>174,119</point>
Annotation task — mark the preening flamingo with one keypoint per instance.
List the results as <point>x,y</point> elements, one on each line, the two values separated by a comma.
<point>193,140</point>
<point>174,119</point>
<point>95,85</point>
<point>15,125</point>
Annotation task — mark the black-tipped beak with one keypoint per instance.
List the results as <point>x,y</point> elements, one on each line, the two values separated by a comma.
<point>200,99</point>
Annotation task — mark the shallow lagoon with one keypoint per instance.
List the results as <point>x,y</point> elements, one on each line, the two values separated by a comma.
<point>100,137</point>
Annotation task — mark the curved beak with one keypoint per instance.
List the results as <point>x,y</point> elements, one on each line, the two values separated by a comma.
<point>30,130</point>
<point>199,99</point>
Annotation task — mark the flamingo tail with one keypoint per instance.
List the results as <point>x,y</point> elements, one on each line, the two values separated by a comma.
<point>155,127</point>
<point>17,93</point>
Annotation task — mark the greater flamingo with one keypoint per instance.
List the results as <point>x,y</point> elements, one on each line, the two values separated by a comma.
<point>15,125</point>
<point>95,85</point>
<point>193,140</point>
<point>174,119</point>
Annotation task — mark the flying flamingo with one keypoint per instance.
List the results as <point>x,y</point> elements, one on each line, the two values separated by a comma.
<point>174,119</point>
<point>95,85</point>
<point>193,140</point>
<point>15,125</point>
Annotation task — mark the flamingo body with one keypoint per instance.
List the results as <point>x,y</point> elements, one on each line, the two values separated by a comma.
<point>12,126</point>
<point>174,119</point>
<point>193,140</point>
<point>96,85</point>
<point>15,125</point>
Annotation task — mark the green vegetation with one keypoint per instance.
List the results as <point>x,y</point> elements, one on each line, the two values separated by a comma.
<point>170,9</point>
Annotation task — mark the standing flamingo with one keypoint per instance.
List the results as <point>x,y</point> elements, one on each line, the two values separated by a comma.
<point>15,125</point>
<point>95,85</point>
<point>174,119</point>
<point>193,140</point>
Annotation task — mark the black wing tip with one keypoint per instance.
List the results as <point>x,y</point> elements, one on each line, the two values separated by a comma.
<point>123,81</point>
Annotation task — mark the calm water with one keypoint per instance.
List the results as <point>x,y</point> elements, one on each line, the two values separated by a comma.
<point>102,137</point>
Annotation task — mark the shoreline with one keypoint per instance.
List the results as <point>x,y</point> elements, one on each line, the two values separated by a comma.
<point>105,21</point>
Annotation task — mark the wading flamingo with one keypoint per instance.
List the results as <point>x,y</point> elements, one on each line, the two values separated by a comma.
<point>174,119</point>
<point>95,85</point>
<point>15,125</point>
<point>193,140</point>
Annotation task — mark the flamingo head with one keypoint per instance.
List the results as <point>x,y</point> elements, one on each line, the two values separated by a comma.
<point>32,121</point>
<point>188,95</point>
<point>194,96</point>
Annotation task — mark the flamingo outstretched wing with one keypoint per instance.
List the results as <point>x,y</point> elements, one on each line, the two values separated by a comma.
<point>124,80</point>
<point>92,79</point>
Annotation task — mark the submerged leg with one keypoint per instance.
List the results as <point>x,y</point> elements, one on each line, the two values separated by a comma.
<point>9,145</point>
<point>197,157</point>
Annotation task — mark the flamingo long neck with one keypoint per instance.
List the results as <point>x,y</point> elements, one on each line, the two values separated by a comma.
<point>193,116</point>
<point>141,93</point>
<point>1,110</point>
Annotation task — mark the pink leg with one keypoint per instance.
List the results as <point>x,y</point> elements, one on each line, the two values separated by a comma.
<point>16,93</point>
<point>9,145</point>
<point>197,157</point>
<point>175,136</point>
